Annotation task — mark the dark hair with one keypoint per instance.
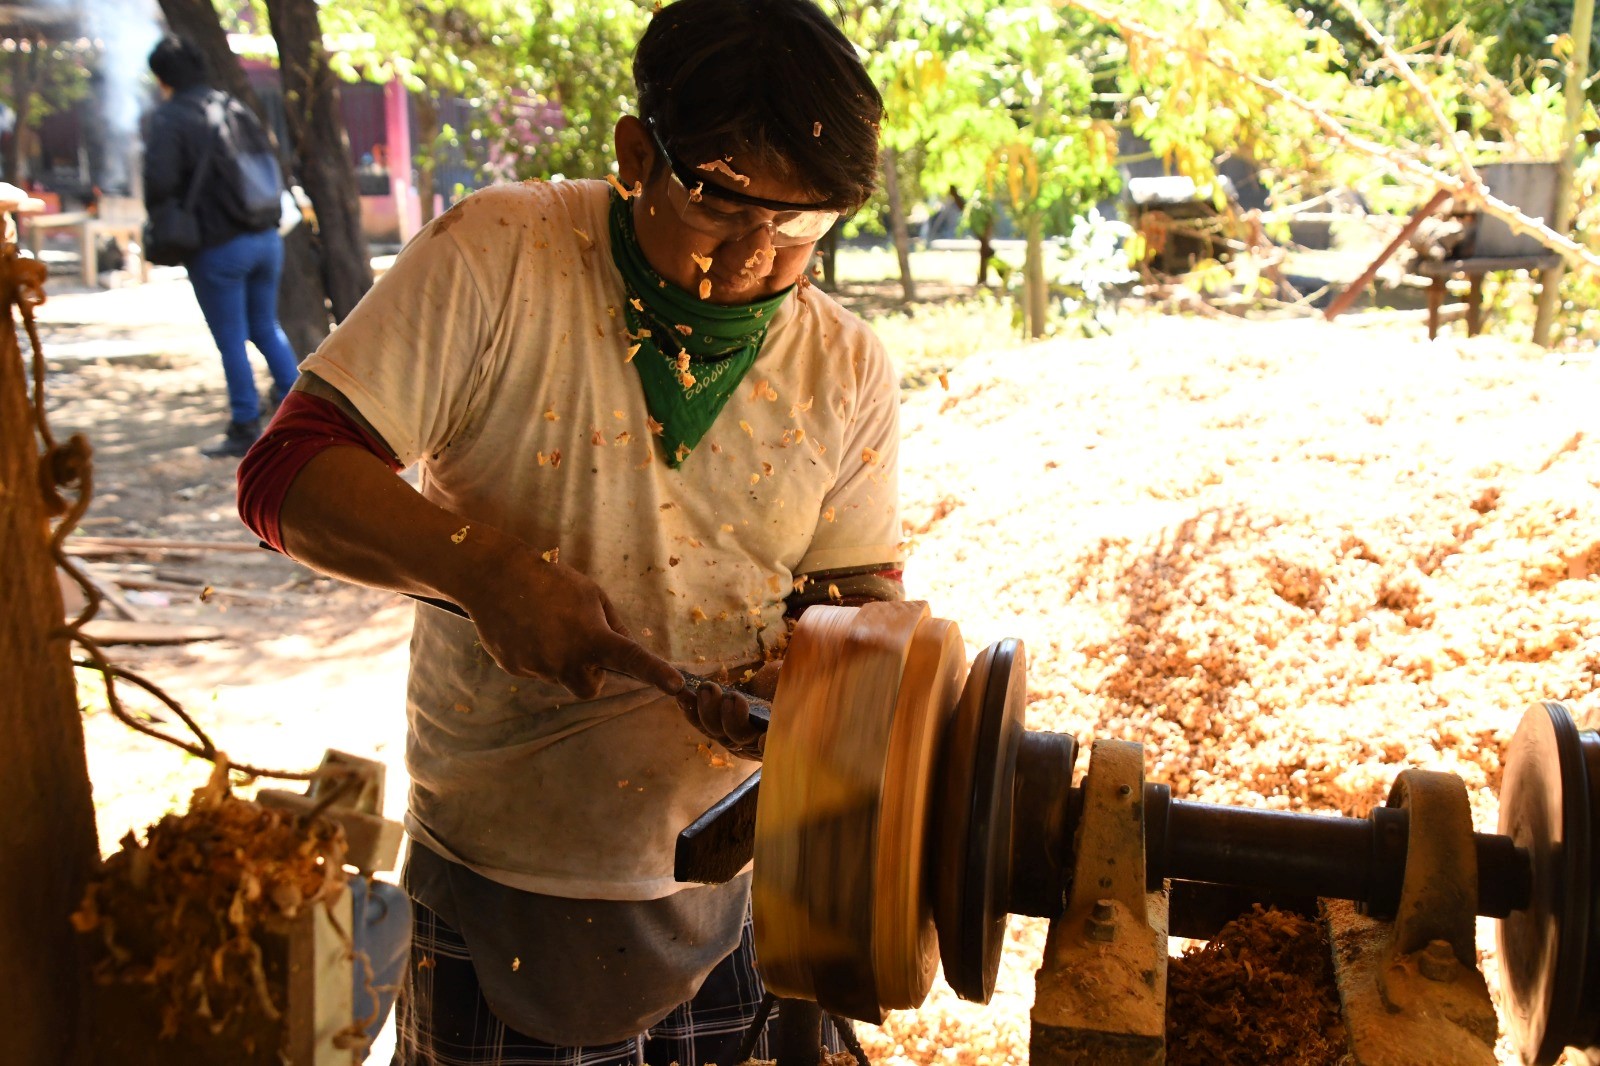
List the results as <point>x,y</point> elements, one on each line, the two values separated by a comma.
<point>178,63</point>
<point>769,78</point>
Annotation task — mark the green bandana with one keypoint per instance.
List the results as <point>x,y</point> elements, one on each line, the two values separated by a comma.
<point>721,343</point>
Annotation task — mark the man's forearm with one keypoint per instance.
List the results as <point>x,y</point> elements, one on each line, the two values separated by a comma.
<point>349,516</point>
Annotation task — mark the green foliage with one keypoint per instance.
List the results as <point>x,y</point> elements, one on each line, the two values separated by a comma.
<point>547,79</point>
<point>52,74</point>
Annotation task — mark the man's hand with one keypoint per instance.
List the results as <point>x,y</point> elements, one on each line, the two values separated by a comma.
<point>548,621</point>
<point>723,714</point>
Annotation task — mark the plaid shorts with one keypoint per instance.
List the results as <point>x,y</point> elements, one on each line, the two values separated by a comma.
<point>442,1018</point>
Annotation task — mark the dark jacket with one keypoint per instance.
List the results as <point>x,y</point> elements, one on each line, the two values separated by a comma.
<point>175,144</point>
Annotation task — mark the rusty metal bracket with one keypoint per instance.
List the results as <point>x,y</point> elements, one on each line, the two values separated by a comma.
<point>1100,993</point>
<point>1411,990</point>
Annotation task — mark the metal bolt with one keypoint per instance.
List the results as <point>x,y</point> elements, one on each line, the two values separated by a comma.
<point>1437,961</point>
<point>1101,925</point>
<point>1124,790</point>
<point>1103,932</point>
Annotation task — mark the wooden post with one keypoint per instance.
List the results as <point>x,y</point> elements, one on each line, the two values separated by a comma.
<point>1436,294</point>
<point>47,836</point>
<point>1577,74</point>
<point>1475,306</point>
<point>1343,301</point>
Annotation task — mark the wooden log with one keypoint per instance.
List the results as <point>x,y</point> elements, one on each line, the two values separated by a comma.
<point>1342,302</point>
<point>48,845</point>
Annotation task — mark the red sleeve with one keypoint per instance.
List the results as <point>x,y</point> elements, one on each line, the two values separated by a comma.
<point>304,427</point>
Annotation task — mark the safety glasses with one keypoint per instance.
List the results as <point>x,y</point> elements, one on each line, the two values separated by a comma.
<point>730,215</point>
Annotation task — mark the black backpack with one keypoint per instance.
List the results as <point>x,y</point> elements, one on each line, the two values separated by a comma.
<point>245,175</point>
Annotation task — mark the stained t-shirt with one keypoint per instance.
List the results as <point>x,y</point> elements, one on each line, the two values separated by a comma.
<point>493,354</point>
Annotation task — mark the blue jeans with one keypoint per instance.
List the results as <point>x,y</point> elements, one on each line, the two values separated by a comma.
<point>236,284</point>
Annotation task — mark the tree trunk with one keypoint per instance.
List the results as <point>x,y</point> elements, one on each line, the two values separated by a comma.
<point>1035,292</point>
<point>302,304</point>
<point>311,99</point>
<point>828,249</point>
<point>22,81</point>
<point>897,222</point>
<point>985,249</point>
<point>47,837</point>
<point>1577,74</point>
<point>427,161</point>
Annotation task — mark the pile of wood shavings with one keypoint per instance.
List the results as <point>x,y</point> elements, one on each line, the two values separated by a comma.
<point>1291,559</point>
<point>1260,994</point>
<point>181,911</point>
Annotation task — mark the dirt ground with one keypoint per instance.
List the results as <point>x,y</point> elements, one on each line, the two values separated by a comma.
<point>1291,558</point>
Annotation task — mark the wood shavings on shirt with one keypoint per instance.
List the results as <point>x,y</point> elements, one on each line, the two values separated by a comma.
<point>829,514</point>
<point>816,129</point>
<point>552,556</point>
<point>622,438</point>
<point>583,235</point>
<point>727,527</point>
<point>516,964</point>
<point>697,615</point>
<point>833,593</point>
<point>685,330</point>
<point>869,456</point>
<point>686,379</point>
<point>683,449</point>
<point>550,415</point>
<point>656,428</point>
<point>637,304</point>
<point>944,381</point>
<point>701,261</point>
<point>798,409</point>
<point>694,193</point>
<point>597,438</point>
<point>705,288</point>
<point>461,708</point>
<point>459,535</point>
<point>767,469</point>
<point>720,166</point>
<point>633,350</point>
<point>763,390</point>
<point>801,582</point>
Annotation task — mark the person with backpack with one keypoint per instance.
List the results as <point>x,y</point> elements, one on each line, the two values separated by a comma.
<point>212,191</point>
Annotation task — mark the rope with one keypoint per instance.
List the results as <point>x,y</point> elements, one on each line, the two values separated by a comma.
<point>70,467</point>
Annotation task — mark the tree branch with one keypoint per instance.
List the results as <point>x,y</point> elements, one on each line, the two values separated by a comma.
<point>1413,170</point>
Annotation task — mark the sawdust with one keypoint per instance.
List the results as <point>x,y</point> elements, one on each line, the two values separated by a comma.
<point>1290,559</point>
<point>183,911</point>
<point>1260,994</point>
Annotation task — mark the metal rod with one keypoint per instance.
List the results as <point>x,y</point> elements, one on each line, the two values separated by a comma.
<point>1361,859</point>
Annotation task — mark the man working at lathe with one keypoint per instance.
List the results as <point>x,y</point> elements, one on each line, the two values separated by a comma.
<point>643,442</point>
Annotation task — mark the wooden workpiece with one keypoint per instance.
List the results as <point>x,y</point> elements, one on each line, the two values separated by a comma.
<point>842,828</point>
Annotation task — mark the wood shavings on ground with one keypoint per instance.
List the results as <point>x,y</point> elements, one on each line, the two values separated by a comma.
<point>1269,552</point>
<point>183,912</point>
<point>1260,994</point>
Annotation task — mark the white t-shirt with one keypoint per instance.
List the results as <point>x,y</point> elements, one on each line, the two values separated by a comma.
<point>493,354</point>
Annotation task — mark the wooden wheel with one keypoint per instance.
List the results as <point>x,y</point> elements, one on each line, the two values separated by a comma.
<point>842,849</point>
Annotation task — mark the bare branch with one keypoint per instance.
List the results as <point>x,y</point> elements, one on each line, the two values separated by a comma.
<point>1469,175</point>
<point>1413,170</point>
